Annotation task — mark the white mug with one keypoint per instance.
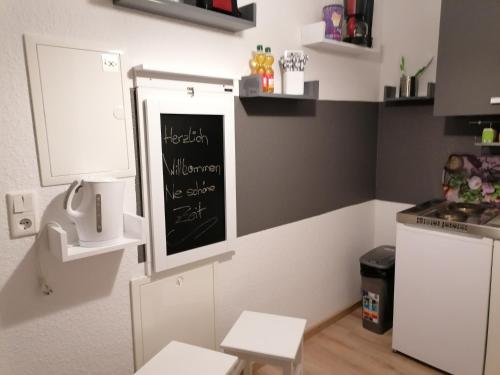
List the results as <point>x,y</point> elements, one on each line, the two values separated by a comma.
<point>99,216</point>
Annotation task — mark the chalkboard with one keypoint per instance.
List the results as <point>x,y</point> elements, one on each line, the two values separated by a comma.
<point>193,180</point>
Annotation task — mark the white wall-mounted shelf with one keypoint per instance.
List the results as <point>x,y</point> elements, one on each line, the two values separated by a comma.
<point>313,36</point>
<point>133,227</point>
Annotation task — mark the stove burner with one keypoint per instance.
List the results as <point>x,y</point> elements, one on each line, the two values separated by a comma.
<point>469,209</point>
<point>452,215</point>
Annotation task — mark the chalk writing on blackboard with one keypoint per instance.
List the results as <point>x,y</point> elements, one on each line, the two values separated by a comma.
<point>193,179</point>
<point>179,167</point>
<point>191,136</point>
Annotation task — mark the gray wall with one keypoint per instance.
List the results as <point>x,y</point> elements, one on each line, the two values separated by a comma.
<point>413,147</point>
<point>297,159</point>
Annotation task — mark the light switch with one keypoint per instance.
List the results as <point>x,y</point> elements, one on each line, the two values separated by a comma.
<point>22,212</point>
<point>18,204</point>
<point>28,202</point>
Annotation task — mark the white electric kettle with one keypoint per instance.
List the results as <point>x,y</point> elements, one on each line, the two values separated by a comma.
<point>99,216</point>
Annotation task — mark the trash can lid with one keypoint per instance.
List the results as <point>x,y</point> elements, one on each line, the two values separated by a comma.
<point>382,257</point>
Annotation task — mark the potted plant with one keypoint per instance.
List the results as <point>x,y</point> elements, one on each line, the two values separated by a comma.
<point>408,85</point>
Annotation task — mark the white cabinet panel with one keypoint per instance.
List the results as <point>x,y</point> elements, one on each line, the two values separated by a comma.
<point>178,307</point>
<point>493,350</point>
<point>442,290</point>
<point>80,108</point>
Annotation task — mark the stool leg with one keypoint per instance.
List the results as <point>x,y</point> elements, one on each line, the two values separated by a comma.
<point>240,367</point>
<point>288,369</point>
<point>299,359</point>
<point>248,368</point>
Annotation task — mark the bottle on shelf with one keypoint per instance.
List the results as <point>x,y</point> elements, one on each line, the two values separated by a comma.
<point>260,58</point>
<point>269,73</point>
<point>253,64</point>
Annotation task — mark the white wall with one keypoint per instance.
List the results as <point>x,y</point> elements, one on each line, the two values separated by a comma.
<point>308,268</point>
<point>84,328</point>
<point>409,28</point>
<point>385,221</point>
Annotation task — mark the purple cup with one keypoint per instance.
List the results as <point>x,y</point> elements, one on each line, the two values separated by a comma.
<point>333,15</point>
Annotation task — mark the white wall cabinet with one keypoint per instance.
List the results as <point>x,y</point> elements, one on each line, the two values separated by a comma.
<point>158,93</point>
<point>80,107</point>
<point>178,307</point>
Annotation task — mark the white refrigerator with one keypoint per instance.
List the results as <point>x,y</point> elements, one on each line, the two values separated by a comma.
<point>442,299</point>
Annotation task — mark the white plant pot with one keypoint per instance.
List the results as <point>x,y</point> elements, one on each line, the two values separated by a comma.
<point>293,83</point>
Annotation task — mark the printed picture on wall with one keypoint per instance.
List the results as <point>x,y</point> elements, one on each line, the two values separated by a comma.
<point>472,179</point>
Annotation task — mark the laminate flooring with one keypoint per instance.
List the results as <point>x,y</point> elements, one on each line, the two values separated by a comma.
<point>346,348</point>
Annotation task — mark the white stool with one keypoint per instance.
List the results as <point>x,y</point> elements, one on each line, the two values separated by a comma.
<point>269,339</point>
<point>182,359</point>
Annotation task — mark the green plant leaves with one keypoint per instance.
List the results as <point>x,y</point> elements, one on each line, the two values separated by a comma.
<point>424,68</point>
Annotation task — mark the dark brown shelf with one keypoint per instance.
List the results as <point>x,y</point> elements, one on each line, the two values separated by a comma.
<point>408,101</point>
<point>391,100</point>
<point>251,87</point>
<point>195,14</point>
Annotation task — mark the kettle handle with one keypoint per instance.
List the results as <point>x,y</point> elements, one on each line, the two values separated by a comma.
<point>68,199</point>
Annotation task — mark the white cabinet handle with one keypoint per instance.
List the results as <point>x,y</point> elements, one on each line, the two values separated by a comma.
<point>495,100</point>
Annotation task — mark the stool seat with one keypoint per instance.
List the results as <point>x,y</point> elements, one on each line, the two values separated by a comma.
<point>267,338</point>
<point>182,359</point>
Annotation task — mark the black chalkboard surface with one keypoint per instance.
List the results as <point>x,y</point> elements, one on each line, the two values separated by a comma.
<point>193,180</point>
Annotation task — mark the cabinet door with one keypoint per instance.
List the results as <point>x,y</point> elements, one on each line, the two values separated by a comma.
<point>468,70</point>
<point>442,290</point>
<point>81,110</point>
<point>492,357</point>
<point>179,307</point>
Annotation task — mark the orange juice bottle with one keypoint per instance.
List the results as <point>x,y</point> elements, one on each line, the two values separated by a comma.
<point>253,63</point>
<point>269,60</point>
<point>260,57</point>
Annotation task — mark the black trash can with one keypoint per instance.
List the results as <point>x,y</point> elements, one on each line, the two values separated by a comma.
<point>377,286</point>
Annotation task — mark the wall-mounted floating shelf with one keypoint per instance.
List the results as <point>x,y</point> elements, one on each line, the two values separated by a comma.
<point>496,144</point>
<point>313,36</point>
<point>251,87</point>
<point>478,142</point>
<point>158,72</point>
<point>133,227</point>
<point>195,14</point>
<point>391,100</point>
<point>407,101</point>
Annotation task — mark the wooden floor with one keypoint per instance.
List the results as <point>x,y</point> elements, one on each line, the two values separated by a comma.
<point>345,348</point>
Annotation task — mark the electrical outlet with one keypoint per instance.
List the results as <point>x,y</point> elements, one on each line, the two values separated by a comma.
<point>22,208</point>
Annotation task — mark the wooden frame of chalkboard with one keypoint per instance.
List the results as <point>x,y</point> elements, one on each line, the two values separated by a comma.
<point>191,175</point>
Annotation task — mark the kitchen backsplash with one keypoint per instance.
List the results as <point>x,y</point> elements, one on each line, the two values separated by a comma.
<point>413,146</point>
<point>472,179</point>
